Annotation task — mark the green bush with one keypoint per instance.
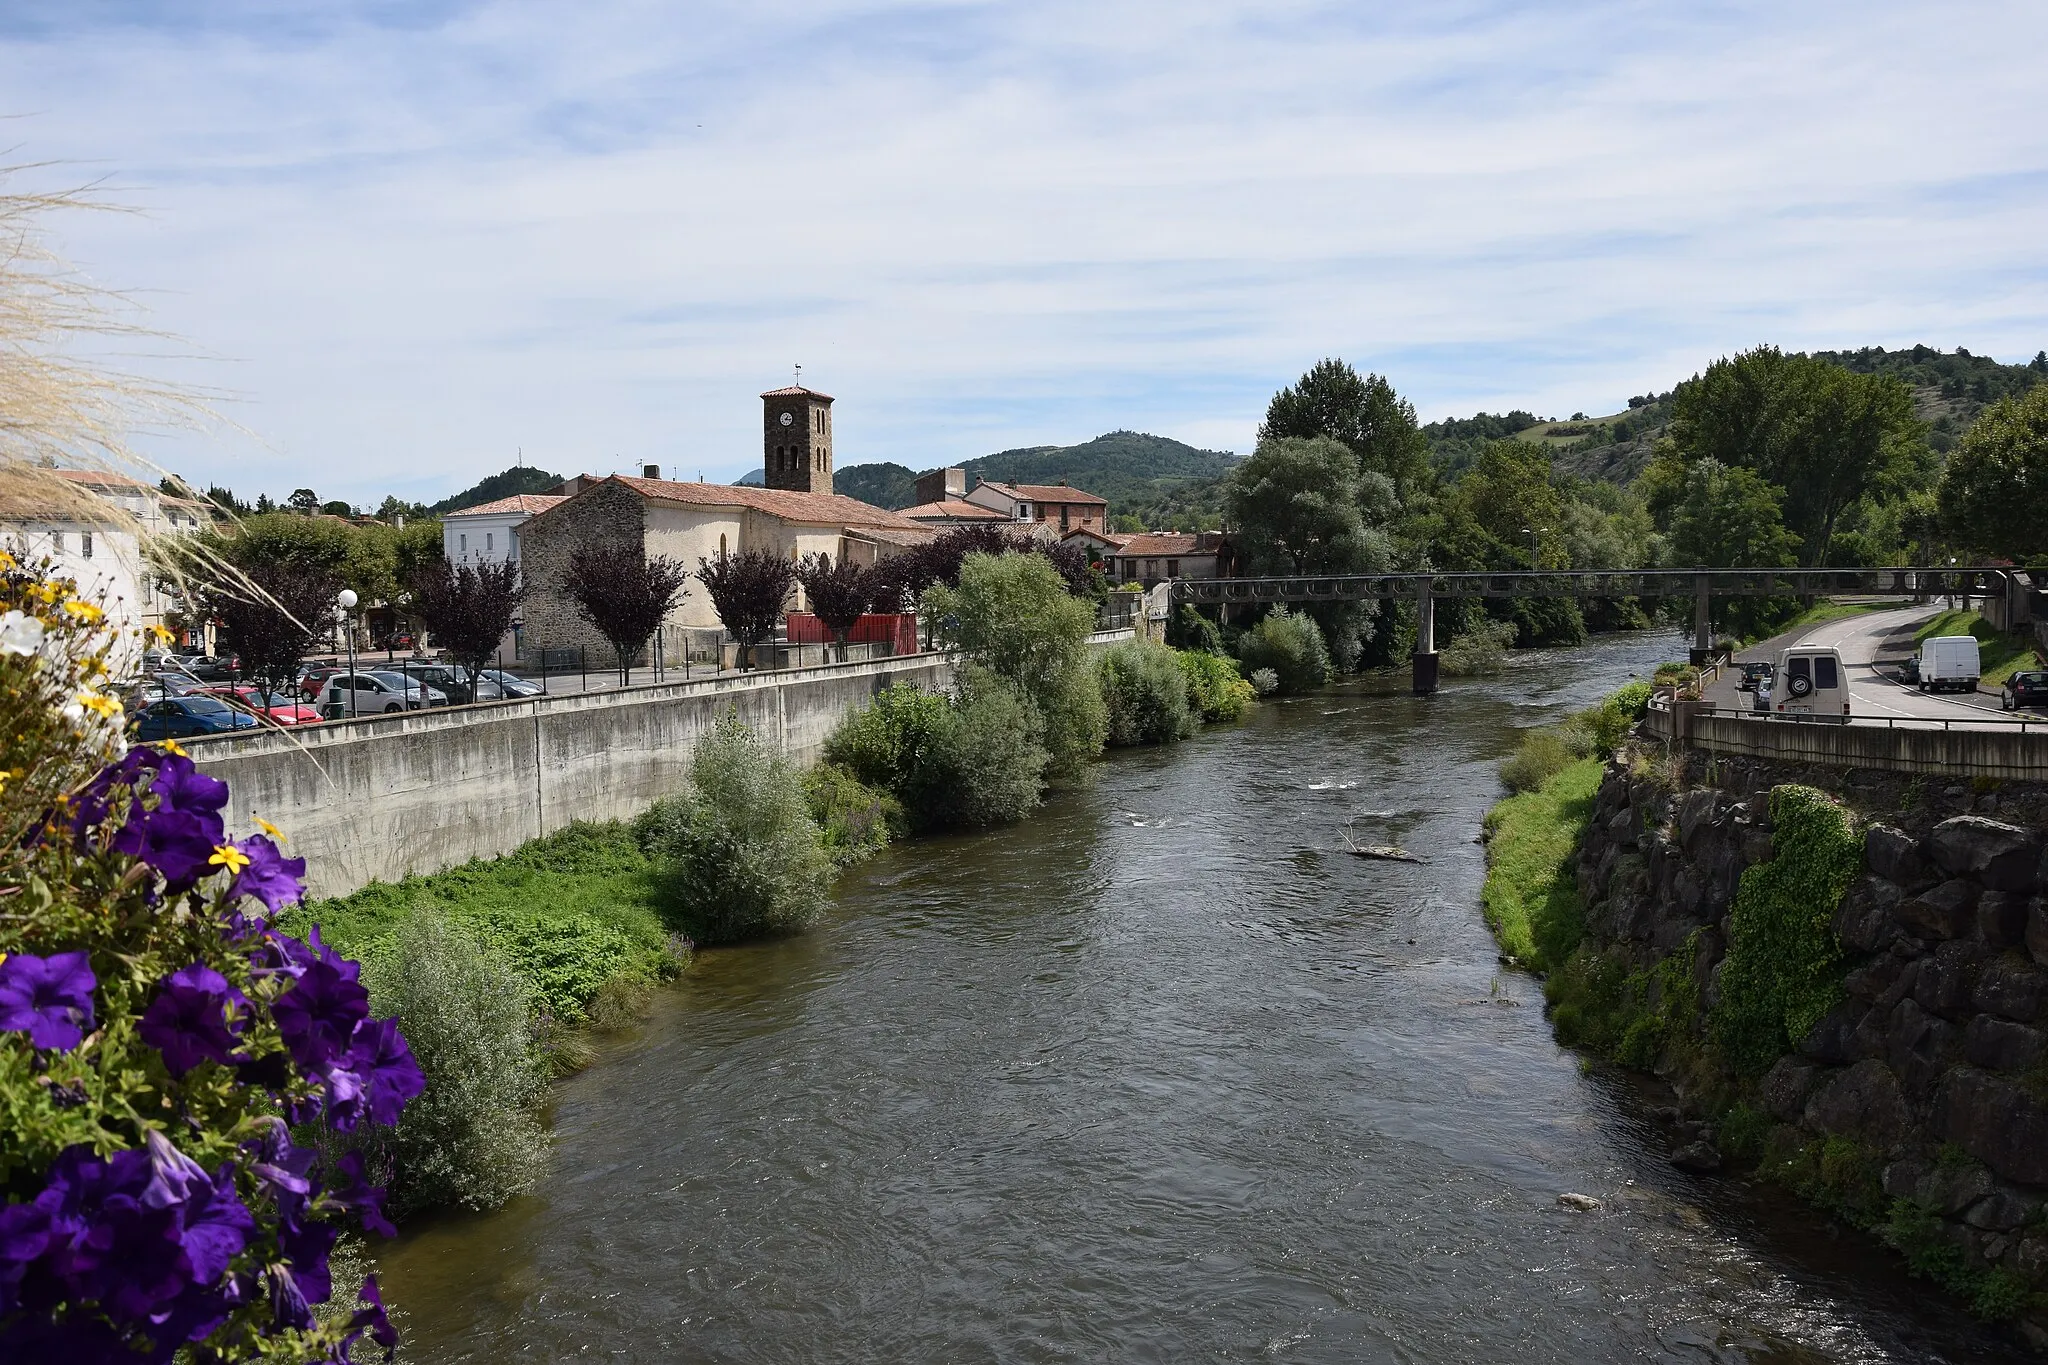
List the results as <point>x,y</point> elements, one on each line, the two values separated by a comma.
<point>568,913</point>
<point>1265,682</point>
<point>1217,691</point>
<point>1784,967</point>
<point>975,760</point>
<point>1191,630</point>
<point>1292,645</point>
<point>1145,694</point>
<point>738,853</point>
<point>1542,755</point>
<point>855,820</point>
<point>474,1139</point>
<point>1480,651</point>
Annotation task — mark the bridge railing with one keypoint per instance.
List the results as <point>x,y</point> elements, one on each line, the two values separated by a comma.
<point>1975,581</point>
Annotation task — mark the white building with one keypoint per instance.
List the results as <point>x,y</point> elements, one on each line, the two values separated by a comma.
<point>489,533</point>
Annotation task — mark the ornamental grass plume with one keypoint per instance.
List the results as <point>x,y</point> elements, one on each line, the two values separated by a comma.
<point>159,1040</point>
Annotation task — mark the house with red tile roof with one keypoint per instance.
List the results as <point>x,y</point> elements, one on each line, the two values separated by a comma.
<point>1055,506</point>
<point>489,532</point>
<point>1155,556</point>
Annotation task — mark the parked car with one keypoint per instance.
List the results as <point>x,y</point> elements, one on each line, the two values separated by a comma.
<point>207,667</point>
<point>1752,674</point>
<point>2024,689</point>
<point>1949,663</point>
<point>509,685</point>
<point>183,717</point>
<point>375,693</point>
<point>274,707</point>
<point>448,679</point>
<point>1909,670</point>
<point>313,679</point>
<point>1811,683</point>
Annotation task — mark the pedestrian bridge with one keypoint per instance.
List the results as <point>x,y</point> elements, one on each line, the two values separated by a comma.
<point>1702,585</point>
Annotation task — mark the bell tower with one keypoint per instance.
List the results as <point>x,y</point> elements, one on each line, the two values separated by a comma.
<point>796,439</point>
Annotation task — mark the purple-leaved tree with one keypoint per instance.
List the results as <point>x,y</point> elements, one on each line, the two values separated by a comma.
<point>748,591</point>
<point>625,592</point>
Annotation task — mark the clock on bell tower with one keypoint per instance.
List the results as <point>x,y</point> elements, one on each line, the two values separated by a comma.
<point>796,439</point>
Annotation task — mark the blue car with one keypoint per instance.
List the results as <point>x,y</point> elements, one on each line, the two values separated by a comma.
<point>182,717</point>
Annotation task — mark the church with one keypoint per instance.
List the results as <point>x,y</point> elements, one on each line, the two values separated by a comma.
<point>793,512</point>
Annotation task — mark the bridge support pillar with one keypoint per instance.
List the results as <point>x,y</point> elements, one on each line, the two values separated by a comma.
<point>1425,643</point>
<point>1702,629</point>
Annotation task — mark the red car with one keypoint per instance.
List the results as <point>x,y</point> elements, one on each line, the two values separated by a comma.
<point>275,707</point>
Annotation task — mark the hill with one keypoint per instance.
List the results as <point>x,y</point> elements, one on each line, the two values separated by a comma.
<point>517,479</point>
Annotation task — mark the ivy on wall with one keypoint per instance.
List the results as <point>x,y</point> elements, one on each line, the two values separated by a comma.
<point>1784,967</point>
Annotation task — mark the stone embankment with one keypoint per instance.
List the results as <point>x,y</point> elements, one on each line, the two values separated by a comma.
<point>1917,1104</point>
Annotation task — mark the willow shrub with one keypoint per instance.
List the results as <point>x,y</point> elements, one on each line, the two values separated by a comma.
<point>473,1139</point>
<point>1292,646</point>
<point>855,820</point>
<point>1217,690</point>
<point>737,853</point>
<point>158,1039</point>
<point>1784,966</point>
<point>1144,693</point>
<point>975,759</point>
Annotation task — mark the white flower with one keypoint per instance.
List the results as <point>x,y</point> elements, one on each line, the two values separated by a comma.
<point>20,633</point>
<point>72,712</point>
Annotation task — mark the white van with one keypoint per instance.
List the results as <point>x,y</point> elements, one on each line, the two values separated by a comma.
<point>1812,684</point>
<point>1949,663</point>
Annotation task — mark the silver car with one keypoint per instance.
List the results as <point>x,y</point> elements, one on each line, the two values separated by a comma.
<point>377,692</point>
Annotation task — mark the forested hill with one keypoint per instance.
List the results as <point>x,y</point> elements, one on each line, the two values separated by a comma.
<point>518,479</point>
<point>1141,475</point>
<point>1949,389</point>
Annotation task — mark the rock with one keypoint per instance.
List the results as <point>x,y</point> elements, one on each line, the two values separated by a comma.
<point>1864,1100</point>
<point>1986,804</point>
<point>2030,1258</point>
<point>1866,920</point>
<point>1995,1120</point>
<point>1875,978</point>
<point>2002,919</point>
<point>2037,930</point>
<point>2001,1045</point>
<point>2003,857</point>
<point>1696,810</point>
<point>1947,911</point>
<point>1583,1203</point>
<point>1698,1157</point>
<point>1782,1092</point>
<point>1894,855</point>
<point>1829,1040</point>
<point>1916,1047</point>
<point>1950,1188</point>
<point>2011,989</point>
<point>1622,829</point>
<point>1948,978</point>
<point>1902,1178</point>
<point>1999,1211</point>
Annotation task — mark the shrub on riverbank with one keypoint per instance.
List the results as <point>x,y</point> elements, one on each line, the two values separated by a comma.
<point>473,1139</point>
<point>1480,651</point>
<point>855,820</point>
<point>1530,898</point>
<point>1145,694</point>
<point>1290,644</point>
<point>971,760</point>
<point>1217,691</point>
<point>569,913</point>
<point>737,853</point>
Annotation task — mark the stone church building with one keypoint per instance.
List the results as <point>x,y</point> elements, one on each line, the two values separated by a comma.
<point>795,513</point>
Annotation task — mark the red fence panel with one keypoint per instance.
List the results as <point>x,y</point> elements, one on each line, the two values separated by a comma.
<point>897,629</point>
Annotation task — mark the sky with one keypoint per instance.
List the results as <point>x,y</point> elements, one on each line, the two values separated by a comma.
<point>409,241</point>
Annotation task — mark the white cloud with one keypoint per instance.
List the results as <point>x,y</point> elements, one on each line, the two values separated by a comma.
<point>595,232</point>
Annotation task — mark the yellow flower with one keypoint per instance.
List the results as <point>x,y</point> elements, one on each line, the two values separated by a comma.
<point>272,830</point>
<point>84,611</point>
<point>171,746</point>
<point>229,857</point>
<point>8,561</point>
<point>100,704</point>
<point>162,636</point>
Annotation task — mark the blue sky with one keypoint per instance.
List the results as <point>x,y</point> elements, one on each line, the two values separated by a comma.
<point>409,240</point>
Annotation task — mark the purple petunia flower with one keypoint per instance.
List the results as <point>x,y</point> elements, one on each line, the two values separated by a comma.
<point>377,1079</point>
<point>25,1232</point>
<point>176,834</point>
<point>354,1191</point>
<point>319,1014</point>
<point>181,786</point>
<point>48,997</point>
<point>270,877</point>
<point>281,1165</point>
<point>178,844</point>
<point>188,1022</point>
<point>370,1318</point>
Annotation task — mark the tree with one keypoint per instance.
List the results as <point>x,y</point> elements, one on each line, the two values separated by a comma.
<point>271,614</point>
<point>1729,519</point>
<point>1363,412</point>
<point>839,593</point>
<point>304,501</point>
<point>1994,494</point>
<point>748,591</point>
<point>625,592</point>
<point>468,607</point>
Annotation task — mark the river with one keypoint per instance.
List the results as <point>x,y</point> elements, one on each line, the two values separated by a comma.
<point>1161,1074</point>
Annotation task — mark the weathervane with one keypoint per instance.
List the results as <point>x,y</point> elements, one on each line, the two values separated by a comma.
<point>799,376</point>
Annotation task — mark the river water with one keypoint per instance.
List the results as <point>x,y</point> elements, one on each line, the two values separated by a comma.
<point>1161,1074</point>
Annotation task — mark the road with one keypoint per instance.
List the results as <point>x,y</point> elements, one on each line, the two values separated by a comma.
<point>1863,641</point>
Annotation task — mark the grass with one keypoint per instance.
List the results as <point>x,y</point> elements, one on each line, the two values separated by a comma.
<point>574,914</point>
<point>2002,655</point>
<point>1530,899</point>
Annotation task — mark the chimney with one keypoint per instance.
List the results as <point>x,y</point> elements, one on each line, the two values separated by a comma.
<point>650,471</point>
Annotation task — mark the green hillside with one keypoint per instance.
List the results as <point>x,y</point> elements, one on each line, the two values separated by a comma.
<point>887,484</point>
<point>517,479</point>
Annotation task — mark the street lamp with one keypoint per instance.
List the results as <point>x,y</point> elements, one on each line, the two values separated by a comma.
<point>346,599</point>
<point>1533,565</point>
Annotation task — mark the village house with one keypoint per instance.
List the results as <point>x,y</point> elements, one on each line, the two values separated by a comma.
<point>489,532</point>
<point>1055,506</point>
<point>1156,556</point>
<point>795,514</point>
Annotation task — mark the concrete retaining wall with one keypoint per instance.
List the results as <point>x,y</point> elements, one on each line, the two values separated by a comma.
<point>2009,754</point>
<point>378,799</point>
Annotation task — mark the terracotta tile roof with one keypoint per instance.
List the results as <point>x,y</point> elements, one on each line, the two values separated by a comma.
<point>529,503</point>
<point>1164,543</point>
<point>1046,492</point>
<point>822,509</point>
<point>890,535</point>
<point>952,509</point>
<point>796,391</point>
<point>97,478</point>
<point>1118,539</point>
